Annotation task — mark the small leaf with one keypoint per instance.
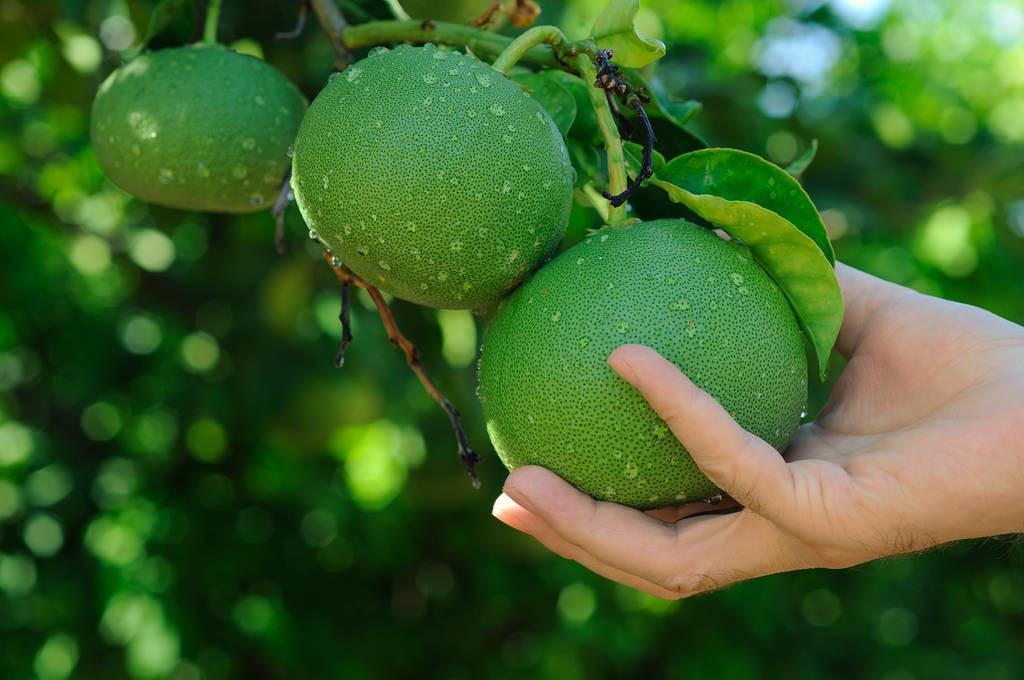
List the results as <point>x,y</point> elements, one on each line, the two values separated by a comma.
<point>790,257</point>
<point>797,167</point>
<point>668,118</point>
<point>616,30</point>
<point>740,176</point>
<point>556,100</point>
<point>634,154</point>
<point>172,23</point>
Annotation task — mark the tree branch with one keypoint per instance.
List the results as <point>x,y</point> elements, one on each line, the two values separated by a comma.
<point>334,25</point>
<point>347,278</point>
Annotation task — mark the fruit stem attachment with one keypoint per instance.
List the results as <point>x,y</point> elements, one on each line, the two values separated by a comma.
<point>334,25</point>
<point>484,43</point>
<point>617,181</point>
<point>467,455</point>
<point>212,18</point>
<point>536,36</point>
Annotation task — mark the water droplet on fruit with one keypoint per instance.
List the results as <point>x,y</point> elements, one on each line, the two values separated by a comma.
<point>442,276</point>
<point>256,200</point>
<point>378,51</point>
<point>743,290</point>
<point>507,139</point>
<point>679,306</point>
<point>660,431</point>
<point>239,171</point>
<point>429,78</point>
<point>291,152</point>
<point>423,286</point>
<point>363,250</point>
<point>610,492</point>
<point>496,110</point>
<point>327,181</point>
<point>352,73</point>
<point>411,226</point>
<point>556,317</point>
<point>584,342</point>
<point>384,265</point>
<point>482,78</point>
<point>631,470</point>
<point>166,175</point>
<point>456,246</point>
<point>248,143</point>
<point>313,236</point>
<point>335,261</point>
<point>622,326</point>
<point>428,101</point>
<point>440,55</point>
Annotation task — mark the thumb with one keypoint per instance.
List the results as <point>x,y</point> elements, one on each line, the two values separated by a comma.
<point>739,463</point>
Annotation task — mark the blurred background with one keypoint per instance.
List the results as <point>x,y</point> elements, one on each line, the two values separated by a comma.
<point>190,490</point>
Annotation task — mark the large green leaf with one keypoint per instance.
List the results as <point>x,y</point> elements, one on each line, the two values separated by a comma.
<point>789,256</point>
<point>556,100</point>
<point>670,119</point>
<point>740,176</point>
<point>615,29</point>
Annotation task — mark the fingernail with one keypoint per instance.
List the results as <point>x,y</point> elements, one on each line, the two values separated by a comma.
<point>502,504</point>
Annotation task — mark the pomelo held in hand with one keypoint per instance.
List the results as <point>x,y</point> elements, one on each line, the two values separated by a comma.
<point>197,128</point>
<point>432,176</point>
<point>551,399</point>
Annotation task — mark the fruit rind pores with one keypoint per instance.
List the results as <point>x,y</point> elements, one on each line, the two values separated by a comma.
<point>550,398</point>
<point>197,128</point>
<point>432,176</point>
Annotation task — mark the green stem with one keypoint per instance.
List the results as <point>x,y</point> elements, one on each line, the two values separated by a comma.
<point>484,43</point>
<point>536,36</point>
<point>212,17</point>
<point>617,180</point>
<point>396,8</point>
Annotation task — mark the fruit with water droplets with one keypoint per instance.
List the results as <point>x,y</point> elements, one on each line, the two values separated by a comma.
<point>550,398</point>
<point>197,128</point>
<point>432,176</point>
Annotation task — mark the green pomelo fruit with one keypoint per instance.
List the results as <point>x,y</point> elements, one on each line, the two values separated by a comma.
<point>551,399</point>
<point>454,11</point>
<point>198,128</point>
<point>432,176</point>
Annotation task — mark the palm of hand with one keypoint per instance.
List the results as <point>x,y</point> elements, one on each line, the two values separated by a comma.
<point>918,445</point>
<point>930,388</point>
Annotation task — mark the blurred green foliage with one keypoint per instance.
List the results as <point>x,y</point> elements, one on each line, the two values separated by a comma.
<point>188,489</point>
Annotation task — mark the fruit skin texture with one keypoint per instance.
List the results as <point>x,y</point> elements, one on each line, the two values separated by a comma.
<point>550,398</point>
<point>432,176</point>
<point>197,128</point>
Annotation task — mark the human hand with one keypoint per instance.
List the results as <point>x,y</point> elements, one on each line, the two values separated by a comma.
<point>921,443</point>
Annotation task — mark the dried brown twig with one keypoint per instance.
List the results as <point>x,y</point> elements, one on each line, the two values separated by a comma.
<point>467,456</point>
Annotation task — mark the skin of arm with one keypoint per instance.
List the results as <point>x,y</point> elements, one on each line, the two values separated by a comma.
<point>921,443</point>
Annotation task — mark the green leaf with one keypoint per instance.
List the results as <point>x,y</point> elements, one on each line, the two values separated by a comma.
<point>173,23</point>
<point>556,100</point>
<point>792,259</point>
<point>740,176</point>
<point>616,30</point>
<point>634,154</point>
<point>668,118</point>
<point>797,167</point>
